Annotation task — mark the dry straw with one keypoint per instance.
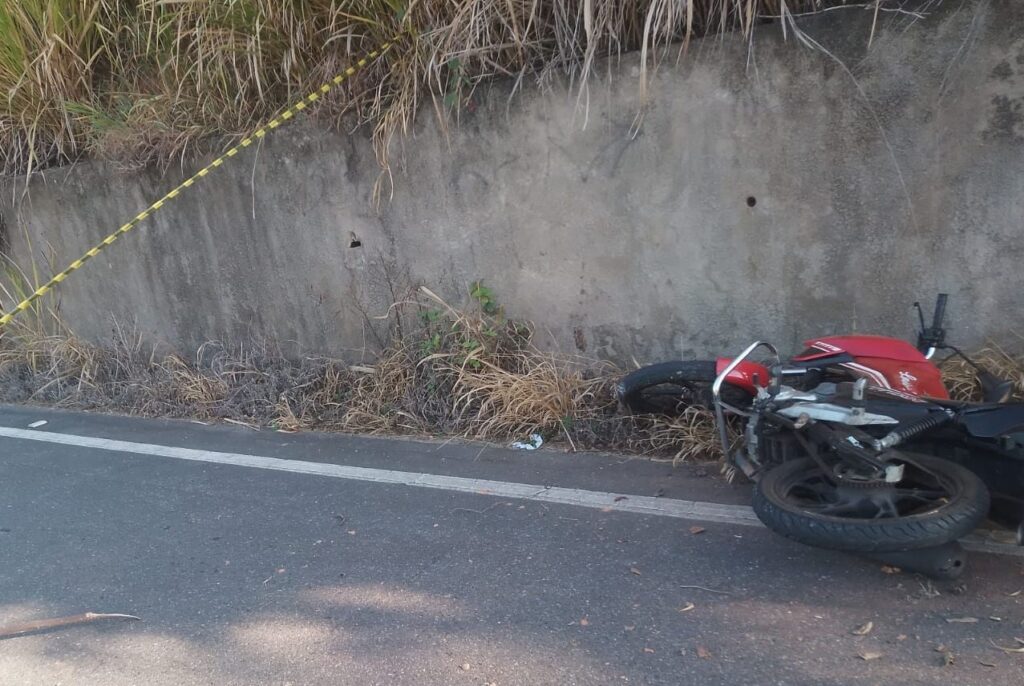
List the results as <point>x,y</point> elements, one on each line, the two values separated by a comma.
<point>138,81</point>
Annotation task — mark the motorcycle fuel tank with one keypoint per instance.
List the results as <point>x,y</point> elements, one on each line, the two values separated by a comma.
<point>885,362</point>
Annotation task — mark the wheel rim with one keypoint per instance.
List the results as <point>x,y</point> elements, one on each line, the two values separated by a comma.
<point>671,397</point>
<point>920,492</point>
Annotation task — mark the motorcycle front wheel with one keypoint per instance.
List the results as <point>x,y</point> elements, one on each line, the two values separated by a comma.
<point>936,502</point>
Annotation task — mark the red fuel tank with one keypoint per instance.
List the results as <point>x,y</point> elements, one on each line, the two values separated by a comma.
<point>885,362</point>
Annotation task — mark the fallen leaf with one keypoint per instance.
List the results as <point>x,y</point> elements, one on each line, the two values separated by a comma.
<point>660,492</point>
<point>687,607</point>
<point>901,637</point>
<point>648,650</point>
<point>986,664</point>
<point>636,571</point>
<point>947,658</point>
<point>620,498</point>
<point>584,622</point>
<point>697,530</point>
<point>703,653</point>
<point>889,569</point>
<point>867,657</point>
<point>864,629</point>
<point>962,620</point>
<point>464,667</point>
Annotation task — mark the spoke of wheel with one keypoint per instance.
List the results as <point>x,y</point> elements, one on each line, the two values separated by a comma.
<point>827,509</point>
<point>919,493</point>
<point>887,509</point>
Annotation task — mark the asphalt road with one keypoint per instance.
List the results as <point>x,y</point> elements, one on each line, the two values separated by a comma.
<point>247,575</point>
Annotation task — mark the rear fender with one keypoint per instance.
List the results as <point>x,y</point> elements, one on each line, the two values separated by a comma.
<point>744,374</point>
<point>990,421</point>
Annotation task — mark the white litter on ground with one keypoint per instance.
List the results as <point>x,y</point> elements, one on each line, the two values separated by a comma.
<point>36,425</point>
<point>536,441</point>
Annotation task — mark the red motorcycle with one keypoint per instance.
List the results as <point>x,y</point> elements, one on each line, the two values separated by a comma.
<point>855,444</point>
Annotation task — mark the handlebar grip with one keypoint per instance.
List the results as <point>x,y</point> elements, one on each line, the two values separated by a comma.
<point>940,310</point>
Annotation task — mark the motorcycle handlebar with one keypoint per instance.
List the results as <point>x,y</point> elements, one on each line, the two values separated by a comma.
<point>940,311</point>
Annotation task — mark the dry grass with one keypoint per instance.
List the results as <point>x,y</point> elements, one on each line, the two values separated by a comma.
<point>692,435</point>
<point>145,80</point>
<point>962,379</point>
<point>467,372</point>
<point>470,372</point>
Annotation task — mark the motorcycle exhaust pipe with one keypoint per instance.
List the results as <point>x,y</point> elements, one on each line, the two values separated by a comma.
<point>946,561</point>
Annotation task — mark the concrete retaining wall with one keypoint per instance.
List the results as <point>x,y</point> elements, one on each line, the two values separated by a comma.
<point>771,191</point>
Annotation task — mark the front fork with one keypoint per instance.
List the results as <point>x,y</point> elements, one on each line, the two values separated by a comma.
<point>748,463</point>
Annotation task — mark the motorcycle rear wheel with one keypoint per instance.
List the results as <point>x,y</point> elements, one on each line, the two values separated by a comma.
<point>669,387</point>
<point>929,508</point>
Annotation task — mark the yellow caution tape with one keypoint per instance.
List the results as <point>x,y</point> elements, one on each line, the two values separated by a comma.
<point>187,183</point>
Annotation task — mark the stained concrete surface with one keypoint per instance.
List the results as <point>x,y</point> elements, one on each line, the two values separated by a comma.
<point>771,191</point>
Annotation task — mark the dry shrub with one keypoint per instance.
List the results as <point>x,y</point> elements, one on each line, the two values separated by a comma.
<point>526,392</point>
<point>191,386</point>
<point>145,80</point>
<point>474,373</point>
<point>693,434</point>
<point>252,384</point>
<point>318,401</point>
<point>466,371</point>
<point>382,398</point>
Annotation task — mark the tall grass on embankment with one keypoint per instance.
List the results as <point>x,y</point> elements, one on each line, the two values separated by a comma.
<point>139,81</point>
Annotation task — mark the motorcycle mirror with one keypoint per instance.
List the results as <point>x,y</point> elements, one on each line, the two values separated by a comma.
<point>994,389</point>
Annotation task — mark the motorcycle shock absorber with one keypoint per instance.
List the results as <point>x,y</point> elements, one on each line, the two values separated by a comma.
<point>897,436</point>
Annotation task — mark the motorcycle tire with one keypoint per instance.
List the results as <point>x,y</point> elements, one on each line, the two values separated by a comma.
<point>665,387</point>
<point>963,508</point>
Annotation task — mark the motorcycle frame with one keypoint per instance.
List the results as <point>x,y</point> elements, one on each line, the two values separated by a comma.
<point>716,390</point>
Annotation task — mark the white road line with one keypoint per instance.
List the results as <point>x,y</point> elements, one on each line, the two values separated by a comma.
<point>617,502</point>
<point>665,507</point>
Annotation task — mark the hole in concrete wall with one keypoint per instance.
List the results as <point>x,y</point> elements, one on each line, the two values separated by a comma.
<point>751,201</point>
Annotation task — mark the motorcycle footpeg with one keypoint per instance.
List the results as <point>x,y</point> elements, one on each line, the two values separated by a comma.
<point>946,561</point>
<point>748,468</point>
